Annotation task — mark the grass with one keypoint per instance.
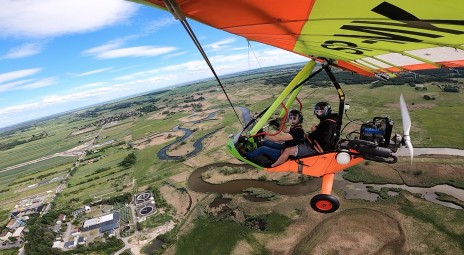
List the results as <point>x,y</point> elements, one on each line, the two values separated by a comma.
<point>36,167</point>
<point>211,237</point>
<point>50,172</point>
<point>154,221</point>
<point>119,131</point>
<point>446,132</point>
<point>426,172</point>
<point>58,141</point>
<point>11,196</point>
<point>447,198</point>
<point>12,251</point>
<point>276,222</point>
<point>361,174</point>
<point>150,169</point>
<point>443,221</point>
<point>143,126</point>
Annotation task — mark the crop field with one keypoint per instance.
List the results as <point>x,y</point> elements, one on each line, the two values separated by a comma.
<point>13,181</point>
<point>58,139</point>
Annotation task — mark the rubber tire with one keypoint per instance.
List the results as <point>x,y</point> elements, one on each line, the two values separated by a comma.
<point>324,203</point>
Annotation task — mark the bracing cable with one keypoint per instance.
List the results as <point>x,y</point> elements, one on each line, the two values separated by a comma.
<point>257,60</point>
<point>205,57</point>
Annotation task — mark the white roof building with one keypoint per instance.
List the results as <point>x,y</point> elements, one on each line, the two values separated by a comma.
<point>98,220</point>
<point>5,237</point>
<point>58,244</point>
<point>18,232</point>
<point>105,220</point>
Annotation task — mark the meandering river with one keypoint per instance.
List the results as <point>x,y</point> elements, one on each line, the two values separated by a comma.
<point>352,190</point>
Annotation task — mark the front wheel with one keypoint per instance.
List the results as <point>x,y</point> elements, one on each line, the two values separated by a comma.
<point>324,203</point>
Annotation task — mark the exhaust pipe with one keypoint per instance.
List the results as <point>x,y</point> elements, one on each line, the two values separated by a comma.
<point>374,151</point>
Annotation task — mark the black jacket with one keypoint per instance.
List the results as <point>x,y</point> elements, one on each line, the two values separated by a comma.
<point>324,135</point>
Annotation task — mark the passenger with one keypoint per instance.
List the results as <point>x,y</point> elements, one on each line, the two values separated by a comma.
<point>273,145</point>
<point>320,139</point>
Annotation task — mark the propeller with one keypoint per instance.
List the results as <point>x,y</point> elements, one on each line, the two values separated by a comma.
<point>406,126</point>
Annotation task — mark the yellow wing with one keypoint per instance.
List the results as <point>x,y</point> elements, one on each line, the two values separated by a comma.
<point>365,36</point>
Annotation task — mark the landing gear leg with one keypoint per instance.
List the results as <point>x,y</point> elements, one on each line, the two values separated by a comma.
<point>325,202</point>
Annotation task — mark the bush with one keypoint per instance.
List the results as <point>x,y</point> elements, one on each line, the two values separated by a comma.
<point>427,97</point>
<point>129,160</point>
<point>417,172</point>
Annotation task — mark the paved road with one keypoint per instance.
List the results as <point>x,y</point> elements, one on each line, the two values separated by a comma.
<point>67,233</point>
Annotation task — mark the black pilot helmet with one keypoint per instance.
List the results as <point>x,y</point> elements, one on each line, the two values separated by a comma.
<point>322,110</point>
<point>296,113</point>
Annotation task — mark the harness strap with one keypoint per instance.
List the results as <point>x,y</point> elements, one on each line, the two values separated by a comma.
<point>315,143</point>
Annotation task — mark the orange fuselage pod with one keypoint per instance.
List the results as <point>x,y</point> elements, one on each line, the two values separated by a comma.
<point>317,165</point>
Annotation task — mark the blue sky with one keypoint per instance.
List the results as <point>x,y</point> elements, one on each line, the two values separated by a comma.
<point>58,55</point>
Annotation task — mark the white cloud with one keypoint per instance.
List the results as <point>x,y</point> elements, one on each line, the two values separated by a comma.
<point>140,51</point>
<point>53,100</point>
<point>23,51</point>
<point>18,74</point>
<point>28,84</point>
<point>94,71</point>
<point>180,68</point>
<point>168,56</point>
<point>139,82</point>
<point>91,85</point>
<point>223,64</point>
<point>18,108</point>
<point>156,25</point>
<point>38,84</point>
<point>105,47</point>
<point>48,18</point>
<point>218,45</point>
<point>12,85</point>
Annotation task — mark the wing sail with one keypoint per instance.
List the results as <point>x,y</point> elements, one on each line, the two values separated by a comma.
<point>367,37</point>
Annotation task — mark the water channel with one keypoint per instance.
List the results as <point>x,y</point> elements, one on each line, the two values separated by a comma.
<point>352,190</point>
<point>162,154</point>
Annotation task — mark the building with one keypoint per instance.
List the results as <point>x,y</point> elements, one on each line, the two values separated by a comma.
<point>77,240</point>
<point>18,233</point>
<point>69,245</point>
<point>80,239</point>
<point>104,223</point>
<point>60,219</point>
<point>5,235</point>
<point>75,233</point>
<point>56,228</point>
<point>14,224</point>
<point>77,212</point>
<point>58,244</point>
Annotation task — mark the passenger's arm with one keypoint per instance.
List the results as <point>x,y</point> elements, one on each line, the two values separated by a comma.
<point>280,138</point>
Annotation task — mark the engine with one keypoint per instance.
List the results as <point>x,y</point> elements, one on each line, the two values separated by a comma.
<point>376,141</point>
<point>379,131</point>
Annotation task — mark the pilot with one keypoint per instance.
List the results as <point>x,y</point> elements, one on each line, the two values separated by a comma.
<point>319,140</point>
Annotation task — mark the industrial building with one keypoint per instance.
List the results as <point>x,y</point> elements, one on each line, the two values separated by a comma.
<point>105,223</point>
